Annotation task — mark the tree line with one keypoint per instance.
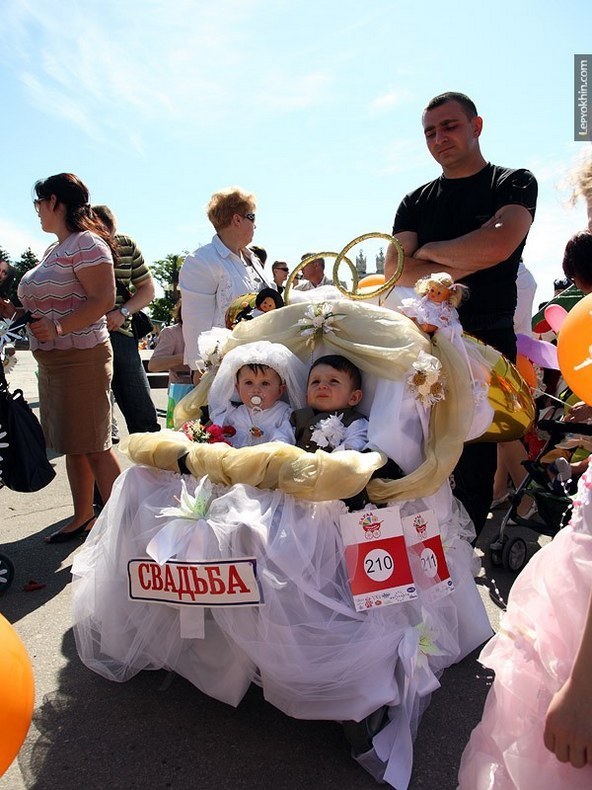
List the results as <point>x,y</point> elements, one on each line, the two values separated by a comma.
<point>164,271</point>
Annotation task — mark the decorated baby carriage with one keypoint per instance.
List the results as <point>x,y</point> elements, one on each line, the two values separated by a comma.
<point>265,528</point>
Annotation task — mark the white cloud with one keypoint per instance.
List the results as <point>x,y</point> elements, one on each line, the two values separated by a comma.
<point>297,93</point>
<point>389,100</point>
<point>554,224</point>
<point>123,66</point>
<point>405,154</point>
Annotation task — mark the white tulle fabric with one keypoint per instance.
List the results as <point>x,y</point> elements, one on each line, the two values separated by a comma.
<point>532,656</point>
<point>313,654</point>
<point>315,657</point>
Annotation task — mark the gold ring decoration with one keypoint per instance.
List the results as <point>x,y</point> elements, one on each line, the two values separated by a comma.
<point>382,289</point>
<point>310,259</point>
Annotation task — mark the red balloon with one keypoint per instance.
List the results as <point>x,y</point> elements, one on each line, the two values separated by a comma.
<point>17,694</point>
<point>574,349</point>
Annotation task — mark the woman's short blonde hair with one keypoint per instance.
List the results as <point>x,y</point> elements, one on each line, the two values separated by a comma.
<point>225,204</point>
<point>458,292</point>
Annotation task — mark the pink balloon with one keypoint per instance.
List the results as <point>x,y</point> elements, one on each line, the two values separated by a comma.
<point>555,316</point>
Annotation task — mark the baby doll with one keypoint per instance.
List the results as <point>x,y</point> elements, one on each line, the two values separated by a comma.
<point>249,390</point>
<point>436,309</point>
<point>330,421</point>
<point>268,299</point>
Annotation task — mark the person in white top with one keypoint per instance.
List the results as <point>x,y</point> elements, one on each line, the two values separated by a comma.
<point>216,274</point>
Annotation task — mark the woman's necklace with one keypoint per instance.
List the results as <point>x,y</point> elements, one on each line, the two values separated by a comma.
<point>255,431</point>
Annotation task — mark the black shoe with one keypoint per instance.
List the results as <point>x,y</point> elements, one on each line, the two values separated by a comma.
<point>360,733</point>
<point>64,537</point>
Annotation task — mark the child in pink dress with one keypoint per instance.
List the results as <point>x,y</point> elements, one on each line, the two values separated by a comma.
<point>536,730</point>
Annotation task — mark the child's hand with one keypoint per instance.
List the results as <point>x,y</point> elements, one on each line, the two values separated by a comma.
<point>568,724</point>
<point>581,412</point>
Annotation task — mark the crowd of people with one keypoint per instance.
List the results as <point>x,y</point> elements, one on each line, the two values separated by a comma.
<point>463,235</point>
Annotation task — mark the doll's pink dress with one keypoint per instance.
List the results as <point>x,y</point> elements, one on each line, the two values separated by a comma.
<point>532,656</point>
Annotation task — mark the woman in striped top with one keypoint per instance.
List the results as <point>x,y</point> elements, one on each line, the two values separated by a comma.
<point>68,294</point>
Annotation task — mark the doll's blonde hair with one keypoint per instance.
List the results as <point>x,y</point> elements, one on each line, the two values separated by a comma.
<point>458,292</point>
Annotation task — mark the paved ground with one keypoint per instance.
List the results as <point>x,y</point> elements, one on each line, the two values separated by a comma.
<point>157,730</point>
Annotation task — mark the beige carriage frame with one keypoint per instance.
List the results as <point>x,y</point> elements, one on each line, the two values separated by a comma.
<point>383,343</point>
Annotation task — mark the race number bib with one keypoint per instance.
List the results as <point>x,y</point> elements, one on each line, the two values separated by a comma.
<point>426,553</point>
<point>376,558</point>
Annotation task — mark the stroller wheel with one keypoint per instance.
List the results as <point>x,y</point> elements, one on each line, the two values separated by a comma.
<point>495,556</point>
<point>6,573</point>
<point>514,554</point>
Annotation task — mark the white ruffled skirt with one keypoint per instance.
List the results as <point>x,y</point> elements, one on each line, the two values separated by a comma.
<point>313,654</point>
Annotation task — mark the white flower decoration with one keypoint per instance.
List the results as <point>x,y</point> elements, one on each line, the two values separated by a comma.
<point>211,346</point>
<point>191,507</point>
<point>7,333</point>
<point>318,320</point>
<point>427,380</point>
<point>427,646</point>
<point>329,432</point>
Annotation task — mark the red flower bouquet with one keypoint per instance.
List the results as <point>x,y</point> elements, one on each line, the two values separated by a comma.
<point>209,434</point>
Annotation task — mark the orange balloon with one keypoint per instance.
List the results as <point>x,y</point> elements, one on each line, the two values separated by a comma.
<point>526,370</point>
<point>574,349</point>
<point>17,694</point>
<point>371,281</point>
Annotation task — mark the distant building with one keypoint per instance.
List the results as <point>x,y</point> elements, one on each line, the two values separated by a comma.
<point>380,262</point>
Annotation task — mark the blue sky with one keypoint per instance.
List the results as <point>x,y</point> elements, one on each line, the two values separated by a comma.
<point>314,106</point>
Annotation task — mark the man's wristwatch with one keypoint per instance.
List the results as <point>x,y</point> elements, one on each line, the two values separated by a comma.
<point>124,311</point>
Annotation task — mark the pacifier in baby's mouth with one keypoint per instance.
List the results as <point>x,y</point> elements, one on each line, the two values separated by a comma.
<point>256,400</point>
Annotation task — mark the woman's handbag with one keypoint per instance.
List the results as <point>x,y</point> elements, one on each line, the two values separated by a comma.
<point>141,322</point>
<point>141,325</point>
<point>23,460</point>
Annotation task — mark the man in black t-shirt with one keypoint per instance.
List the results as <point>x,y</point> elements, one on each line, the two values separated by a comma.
<point>472,222</point>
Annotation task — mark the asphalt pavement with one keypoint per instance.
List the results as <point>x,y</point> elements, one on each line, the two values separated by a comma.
<point>159,731</point>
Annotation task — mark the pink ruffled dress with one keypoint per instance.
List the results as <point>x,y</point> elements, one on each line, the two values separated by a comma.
<point>532,656</point>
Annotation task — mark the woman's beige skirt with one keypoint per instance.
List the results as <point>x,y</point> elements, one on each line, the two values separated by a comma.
<point>74,398</point>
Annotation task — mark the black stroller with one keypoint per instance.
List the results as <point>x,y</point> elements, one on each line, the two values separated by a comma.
<point>553,508</point>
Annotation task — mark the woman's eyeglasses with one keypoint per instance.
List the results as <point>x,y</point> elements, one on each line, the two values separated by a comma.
<point>37,201</point>
<point>250,216</point>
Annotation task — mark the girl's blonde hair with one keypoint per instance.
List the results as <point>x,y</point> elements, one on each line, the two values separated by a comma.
<point>458,292</point>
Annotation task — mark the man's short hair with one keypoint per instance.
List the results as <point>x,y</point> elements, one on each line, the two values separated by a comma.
<point>225,204</point>
<point>341,363</point>
<point>467,104</point>
<point>316,260</point>
<point>106,216</point>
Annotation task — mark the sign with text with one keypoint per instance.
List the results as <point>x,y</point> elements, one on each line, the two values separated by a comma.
<point>376,558</point>
<point>203,583</point>
<point>426,553</point>
<point>582,119</point>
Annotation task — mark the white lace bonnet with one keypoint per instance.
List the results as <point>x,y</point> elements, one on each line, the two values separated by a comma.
<point>291,370</point>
